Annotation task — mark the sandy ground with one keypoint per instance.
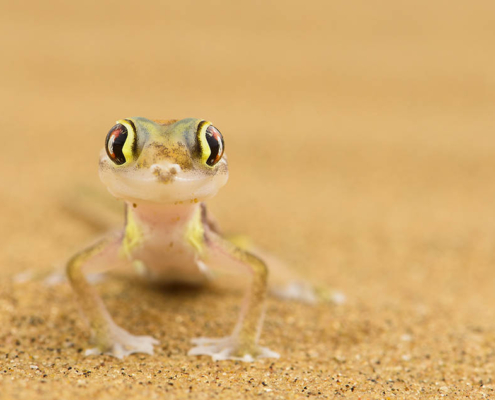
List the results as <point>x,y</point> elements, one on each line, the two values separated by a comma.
<point>360,138</point>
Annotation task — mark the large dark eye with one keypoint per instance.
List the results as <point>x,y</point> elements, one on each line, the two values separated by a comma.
<point>215,141</point>
<point>115,143</point>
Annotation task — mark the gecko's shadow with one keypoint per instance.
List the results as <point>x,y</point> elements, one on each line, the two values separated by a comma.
<point>145,289</point>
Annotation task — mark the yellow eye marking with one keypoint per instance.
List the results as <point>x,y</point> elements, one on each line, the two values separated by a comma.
<point>129,149</point>
<point>203,143</point>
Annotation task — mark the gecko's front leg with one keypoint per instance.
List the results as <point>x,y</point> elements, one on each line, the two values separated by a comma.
<point>106,335</point>
<point>242,344</point>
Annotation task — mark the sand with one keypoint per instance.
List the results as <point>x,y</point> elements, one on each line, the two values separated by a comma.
<point>360,138</point>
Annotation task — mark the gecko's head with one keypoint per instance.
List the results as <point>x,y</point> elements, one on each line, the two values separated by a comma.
<point>163,161</point>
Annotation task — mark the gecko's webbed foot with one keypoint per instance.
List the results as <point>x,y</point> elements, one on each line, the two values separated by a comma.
<point>228,348</point>
<point>120,343</point>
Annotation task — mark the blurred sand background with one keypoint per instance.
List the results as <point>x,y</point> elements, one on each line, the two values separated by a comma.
<point>360,138</point>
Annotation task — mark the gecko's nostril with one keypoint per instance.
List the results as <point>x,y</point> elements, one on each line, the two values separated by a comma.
<point>165,173</point>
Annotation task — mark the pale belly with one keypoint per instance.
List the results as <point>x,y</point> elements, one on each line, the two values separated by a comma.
<point>169,259</point>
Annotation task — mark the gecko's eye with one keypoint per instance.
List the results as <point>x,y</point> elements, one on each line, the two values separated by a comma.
<point>215,143</point>
<point>114,144</point>
<point>211,143</point>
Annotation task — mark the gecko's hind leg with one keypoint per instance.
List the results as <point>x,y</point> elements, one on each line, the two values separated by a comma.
<point>284,282</point>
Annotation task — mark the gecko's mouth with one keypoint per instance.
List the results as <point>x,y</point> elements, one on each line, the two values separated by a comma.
<point>163,182</point>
